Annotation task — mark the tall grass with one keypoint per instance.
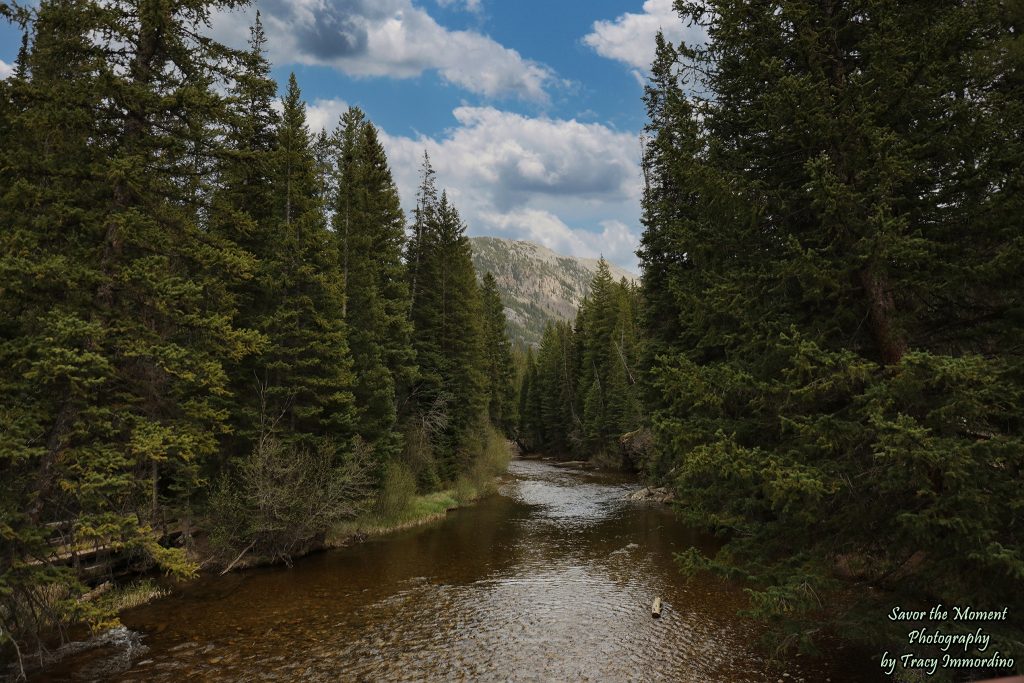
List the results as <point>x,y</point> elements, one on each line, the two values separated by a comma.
<point>492,460</point>
<point>396,493</point>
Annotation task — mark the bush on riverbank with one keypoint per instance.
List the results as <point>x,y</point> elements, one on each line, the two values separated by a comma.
<point>284,496</point>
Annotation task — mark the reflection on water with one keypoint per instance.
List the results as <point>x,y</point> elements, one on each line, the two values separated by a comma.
<point>550,581</point>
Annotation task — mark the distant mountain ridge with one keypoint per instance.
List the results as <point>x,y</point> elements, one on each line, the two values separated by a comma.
<point>536,284</point>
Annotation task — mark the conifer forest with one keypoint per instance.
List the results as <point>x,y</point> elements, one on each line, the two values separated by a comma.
<point>224,344</point>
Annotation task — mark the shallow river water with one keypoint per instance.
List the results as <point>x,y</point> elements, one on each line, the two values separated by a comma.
<point>551,580</point>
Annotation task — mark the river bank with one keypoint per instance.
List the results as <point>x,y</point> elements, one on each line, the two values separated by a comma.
<point>136,591</point>
<point>550,579</point>
<point>133,589</point>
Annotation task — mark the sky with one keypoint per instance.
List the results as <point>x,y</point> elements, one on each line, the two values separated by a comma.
<point>531,110</point>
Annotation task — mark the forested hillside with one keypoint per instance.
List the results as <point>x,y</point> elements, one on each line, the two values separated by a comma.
<point>537,285</point>
<point>578,390</point>
<point>213,319</point>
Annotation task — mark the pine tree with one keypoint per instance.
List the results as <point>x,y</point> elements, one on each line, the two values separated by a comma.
<point>423,228</point>
<point>116,309</point>
<point>448,328</point>
<point>306,372</point>
<point>623,404</point>
<point>555,390</point>
<point>369,227</point>
<point>670,143</point>
<point>243,213</point>
<point>528,435</point>
<point>596,328</point>
<point>498,351</point>
<point>832,300</point>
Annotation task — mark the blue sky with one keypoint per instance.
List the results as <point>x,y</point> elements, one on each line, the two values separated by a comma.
<point>531,110</point>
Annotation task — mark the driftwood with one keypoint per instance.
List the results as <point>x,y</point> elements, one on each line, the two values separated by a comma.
<point>96,592</point>
<point>656,608</point>
<point>235,561</point>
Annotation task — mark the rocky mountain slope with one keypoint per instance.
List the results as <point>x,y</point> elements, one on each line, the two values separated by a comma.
<point>536,284</point>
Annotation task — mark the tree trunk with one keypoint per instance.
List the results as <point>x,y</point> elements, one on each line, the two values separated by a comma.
<point>882,312</point>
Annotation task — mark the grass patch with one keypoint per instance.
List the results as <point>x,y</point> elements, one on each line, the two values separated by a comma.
<point>418,510</point>
<point>131,595</point>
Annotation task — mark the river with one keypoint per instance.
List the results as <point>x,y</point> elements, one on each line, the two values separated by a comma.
<point>550,580</point>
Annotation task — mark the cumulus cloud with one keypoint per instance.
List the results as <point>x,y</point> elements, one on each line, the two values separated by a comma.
<point>470,5</point>
<point>630,37</point>
<point>513,158</point>
<point>324,114</point>
<point>391,38</point>
<point>573,187</point>
<point>5,69</point>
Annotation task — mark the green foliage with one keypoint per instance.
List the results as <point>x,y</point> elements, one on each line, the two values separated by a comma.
<point>580,393</point>
<point>451,391</point>
<point>369,228</point>
<point>396,492</point>
<point>203,306</point>
<point>832,269</point>
<point>499,369</point>
<point>117,314</point>
<point>305,375</point>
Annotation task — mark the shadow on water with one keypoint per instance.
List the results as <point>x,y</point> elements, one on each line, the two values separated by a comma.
<point>550,580</point>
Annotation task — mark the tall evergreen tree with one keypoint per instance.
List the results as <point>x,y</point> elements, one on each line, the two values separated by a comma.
<point>448,327</point>
<point>243,213</point>
<point>116,311</point>
<point>424,227</point>
<point>595,327</point>
<point>842,384</point>
<point>498,352</point>
<point>369,227</point>
<point>529,435</point>
<point>306,376</point>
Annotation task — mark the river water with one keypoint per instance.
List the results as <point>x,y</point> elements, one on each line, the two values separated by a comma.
<point>551,580</point>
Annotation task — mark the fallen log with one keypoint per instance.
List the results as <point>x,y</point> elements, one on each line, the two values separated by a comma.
<point>240,555</point>
<point>96,592</point>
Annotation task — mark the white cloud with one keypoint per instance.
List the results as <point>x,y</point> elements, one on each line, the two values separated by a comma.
<point>391,38</point>
<point>513,157</point>
<point>630,37</point>
<point>573,187</point>
<point>324,114</point>
<point>5,69</point>
<point>470,5</point>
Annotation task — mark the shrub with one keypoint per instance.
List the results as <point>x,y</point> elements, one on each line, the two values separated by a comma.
<point>397,491</point>
<point>283,496</point>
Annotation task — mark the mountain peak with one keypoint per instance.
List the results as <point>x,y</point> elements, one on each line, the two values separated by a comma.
<point>536,284</point>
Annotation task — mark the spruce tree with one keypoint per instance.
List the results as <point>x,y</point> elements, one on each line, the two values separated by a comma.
<point>555,391</point>
<point>117,313</point>
<point>527,435</point>
<point>424,228</point>
<point>243,212</point>
<point>369,228</point>
<point>594,326</point>
<point>498,351</point>
<point>448,328</point>
<point>833,302</point>
<point>306,372</point>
